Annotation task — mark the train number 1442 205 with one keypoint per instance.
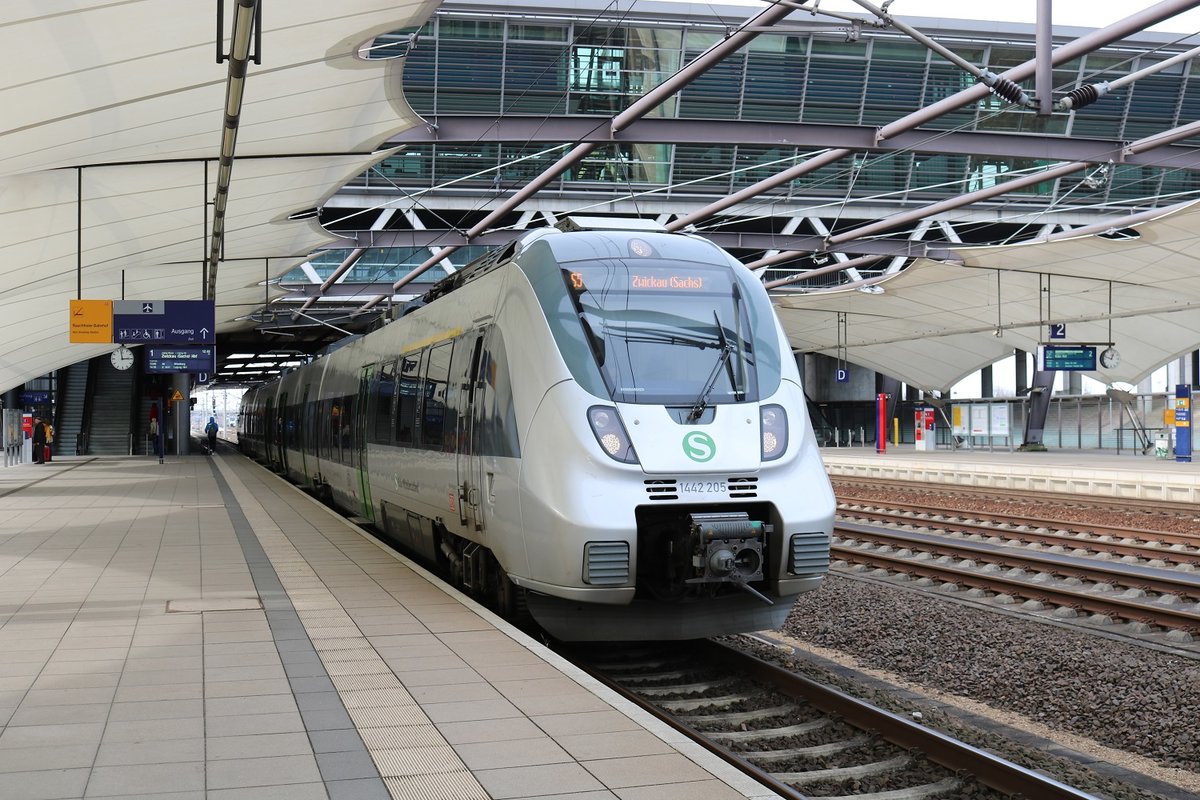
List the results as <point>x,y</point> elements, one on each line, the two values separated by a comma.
<point>702,487</point>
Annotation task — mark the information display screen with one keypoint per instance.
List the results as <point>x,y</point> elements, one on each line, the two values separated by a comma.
<point>1068,358</point>
<point>180,359</point>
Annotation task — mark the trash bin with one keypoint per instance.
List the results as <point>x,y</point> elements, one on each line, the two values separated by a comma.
<point>1161,449</point>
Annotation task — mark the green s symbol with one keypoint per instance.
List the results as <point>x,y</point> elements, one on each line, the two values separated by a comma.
<point>699,446</point>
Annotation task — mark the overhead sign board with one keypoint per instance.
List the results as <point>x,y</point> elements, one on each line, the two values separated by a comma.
<point>91,321</point>
<point>164,321</point>
<point>180,359</point>
<point>1068,358</point>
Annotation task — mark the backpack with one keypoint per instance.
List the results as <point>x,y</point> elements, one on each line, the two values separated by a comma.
<point>210,427</point>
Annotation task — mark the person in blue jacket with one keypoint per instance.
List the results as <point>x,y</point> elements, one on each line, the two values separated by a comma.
<point>211,429</point>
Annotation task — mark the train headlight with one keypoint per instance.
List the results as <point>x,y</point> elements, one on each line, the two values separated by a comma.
<point>774,432</point>
<point>610,433</point>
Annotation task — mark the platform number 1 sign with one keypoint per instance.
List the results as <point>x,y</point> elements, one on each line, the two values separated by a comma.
<point>1058,330</point>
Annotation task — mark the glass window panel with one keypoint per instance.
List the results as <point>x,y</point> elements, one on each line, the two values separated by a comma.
<point>420,79</point>
<point>713,95</point>
<point>514,172</point>
<point>899,50</point>
<point>537,33</point>
<point>535,79</point>
<point>774,87</point>
<point>1152,105</point>
<point>623,164</point>
<point>838,47</point>
<point>382,400</point>
<point>988,171</point>
<point>945,80</point>
<point>1134,183</point>
<point>1003,57</point>
<point>893,90</point>
<point>452,28</point>
<point>759,163</point>
<point>702,40</point>
<point>433,390</point>
<point>406,399</point>
<point>834,91</point>
<point>832,179</point>
<point>460,161</point>
<point>932,172</point>
<point>699,165</point>
<point>882,174</point>
<point>778,43</point>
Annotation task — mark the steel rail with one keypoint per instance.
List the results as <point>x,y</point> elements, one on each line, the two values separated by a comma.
<point>970,521</point>
<point>989,769</point>
<point>1164,616</point>
<point>1150,506</point>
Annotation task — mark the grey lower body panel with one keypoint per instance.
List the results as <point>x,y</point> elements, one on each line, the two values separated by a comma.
<point>643,620</point>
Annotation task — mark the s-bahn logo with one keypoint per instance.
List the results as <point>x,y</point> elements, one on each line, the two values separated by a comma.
<point>699,446</point>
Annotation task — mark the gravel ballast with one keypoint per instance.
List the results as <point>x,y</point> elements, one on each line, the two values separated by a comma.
<point>1127,697</point>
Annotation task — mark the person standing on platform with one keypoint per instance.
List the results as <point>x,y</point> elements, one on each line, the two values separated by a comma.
<point>39,439</point>
<point>154,427</point>
<point>49,452</point>
<point>211,429</point>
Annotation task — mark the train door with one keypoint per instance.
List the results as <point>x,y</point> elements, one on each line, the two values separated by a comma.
<point>359,456</point>
<point>285,421</point>
<point>469,464</point>
<point>269,429</point>
<point>302,430</point>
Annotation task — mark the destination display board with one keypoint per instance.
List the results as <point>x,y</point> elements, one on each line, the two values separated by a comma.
<point>180,359</point>
<point>1068,358</point>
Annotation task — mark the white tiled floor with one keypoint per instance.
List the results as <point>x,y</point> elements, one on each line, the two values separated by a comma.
<point>392,687</point>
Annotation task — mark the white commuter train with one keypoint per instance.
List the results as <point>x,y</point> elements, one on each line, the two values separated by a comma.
<point>605,427</point>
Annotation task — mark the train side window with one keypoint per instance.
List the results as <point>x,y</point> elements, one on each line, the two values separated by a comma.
<point>406,398</point>
<point>433,417</point>
<point>384,391</point>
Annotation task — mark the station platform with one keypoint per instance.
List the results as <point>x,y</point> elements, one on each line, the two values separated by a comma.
<point>202,629</point>
<point>1096,472</point>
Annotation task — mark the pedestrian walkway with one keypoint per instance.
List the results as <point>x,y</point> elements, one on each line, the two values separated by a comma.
<point>201,629</point>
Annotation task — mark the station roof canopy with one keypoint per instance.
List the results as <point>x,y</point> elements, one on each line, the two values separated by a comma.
<point>934,323</point>
<point>108,156</point>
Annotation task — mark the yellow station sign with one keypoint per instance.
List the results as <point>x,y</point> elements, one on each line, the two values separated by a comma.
<point>91,321</point>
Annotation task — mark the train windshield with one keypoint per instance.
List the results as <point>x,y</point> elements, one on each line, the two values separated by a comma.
<point>666,332</point>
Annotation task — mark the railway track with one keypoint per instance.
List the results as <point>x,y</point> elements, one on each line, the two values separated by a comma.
<point>1084,539</point>
<point>1052,500</point>
<point>1147,597</point>
<point>801,738</point>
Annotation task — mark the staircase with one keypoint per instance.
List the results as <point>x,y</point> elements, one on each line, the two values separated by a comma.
<point>72,391</point>
<point>109,425</point>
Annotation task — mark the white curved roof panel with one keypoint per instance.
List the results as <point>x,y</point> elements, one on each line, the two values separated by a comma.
<point>126,100</point>
<point>934,323</point>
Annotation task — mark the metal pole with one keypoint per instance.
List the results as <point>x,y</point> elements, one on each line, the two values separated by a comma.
<point>1043,84</point>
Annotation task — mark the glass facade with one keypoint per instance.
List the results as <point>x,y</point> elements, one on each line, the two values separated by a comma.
<point>563,66</point>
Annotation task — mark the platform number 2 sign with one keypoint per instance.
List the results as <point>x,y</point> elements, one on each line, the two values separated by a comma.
<point>1058,330</point>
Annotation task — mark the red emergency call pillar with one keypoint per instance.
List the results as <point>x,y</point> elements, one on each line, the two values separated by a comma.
<point>881,422</point>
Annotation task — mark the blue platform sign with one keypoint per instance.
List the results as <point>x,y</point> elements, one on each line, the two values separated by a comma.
<point>31,398</point>
<point>843,375</point>
<point>164,322</point>
<point>180,359</point>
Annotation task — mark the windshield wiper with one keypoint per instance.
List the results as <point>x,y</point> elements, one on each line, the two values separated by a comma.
<point>726,350</point>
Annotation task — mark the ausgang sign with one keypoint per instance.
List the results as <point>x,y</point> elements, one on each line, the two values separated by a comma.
<point>164,322</point>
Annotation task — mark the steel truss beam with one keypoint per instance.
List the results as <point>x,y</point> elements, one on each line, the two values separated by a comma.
<point>484,129</point>
<point>727,240</point>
